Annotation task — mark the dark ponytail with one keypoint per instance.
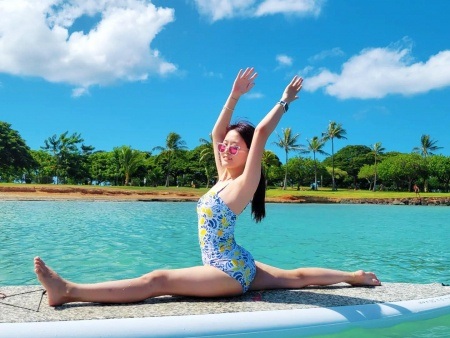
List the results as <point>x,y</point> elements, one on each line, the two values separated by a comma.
<point>259,200</point>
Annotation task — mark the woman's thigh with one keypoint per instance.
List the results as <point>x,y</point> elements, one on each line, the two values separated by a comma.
<point>270,277</point>
<point>199,281</point>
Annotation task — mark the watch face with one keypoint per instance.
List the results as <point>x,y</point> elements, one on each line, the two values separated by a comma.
<point>285,105</point>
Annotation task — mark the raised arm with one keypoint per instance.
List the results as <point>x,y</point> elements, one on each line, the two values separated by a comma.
<point>263,130</point>
<point>242,84</point>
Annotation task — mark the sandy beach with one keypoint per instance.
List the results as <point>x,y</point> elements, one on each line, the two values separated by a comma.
<point>92,193</point>
<point>59,192</point>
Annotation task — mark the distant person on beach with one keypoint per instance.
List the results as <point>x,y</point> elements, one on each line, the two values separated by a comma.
<point>416,190</point>
<point>228,269</point>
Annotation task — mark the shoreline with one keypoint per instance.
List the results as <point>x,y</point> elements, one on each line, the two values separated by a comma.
<point>82,193</point>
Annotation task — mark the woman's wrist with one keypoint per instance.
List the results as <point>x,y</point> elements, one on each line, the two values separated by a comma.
<point>284,105</point>
<point>286,99</point>
<point>234,96</point>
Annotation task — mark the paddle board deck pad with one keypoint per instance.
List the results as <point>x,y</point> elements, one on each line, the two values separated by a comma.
<point>271,323</point>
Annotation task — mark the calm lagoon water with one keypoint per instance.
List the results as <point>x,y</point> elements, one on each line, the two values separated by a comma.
<point>96,241</point>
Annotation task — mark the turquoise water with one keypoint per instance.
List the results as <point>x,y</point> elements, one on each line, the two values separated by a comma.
<point>96,241</point>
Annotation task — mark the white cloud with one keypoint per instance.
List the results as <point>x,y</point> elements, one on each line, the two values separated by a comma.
<point>212,74</point>
<point>334,52</point>
<point>378,72</point>
<point>254,95</point>
<point>77,92</point>
<point>284,60</point>
<point>289,7</point>
<point>305,71</point>
<point>36,40</point>
<point>323,79</point>
<point>225,9</point>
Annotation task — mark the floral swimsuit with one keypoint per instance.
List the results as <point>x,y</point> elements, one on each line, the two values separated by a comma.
<point>216,236</point>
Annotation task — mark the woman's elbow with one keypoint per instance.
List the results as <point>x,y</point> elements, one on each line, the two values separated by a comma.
<point>262,132</point>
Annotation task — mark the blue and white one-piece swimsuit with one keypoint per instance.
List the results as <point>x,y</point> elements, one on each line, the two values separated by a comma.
<point>216,236</point>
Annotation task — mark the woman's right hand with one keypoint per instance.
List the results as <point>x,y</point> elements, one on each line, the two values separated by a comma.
<point>244,82</point>
<point>292,89</point>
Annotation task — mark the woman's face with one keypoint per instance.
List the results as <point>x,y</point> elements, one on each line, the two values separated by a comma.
<point>234,139</point>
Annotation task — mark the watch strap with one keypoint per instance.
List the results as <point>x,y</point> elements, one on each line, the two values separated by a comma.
<point>284,104</point>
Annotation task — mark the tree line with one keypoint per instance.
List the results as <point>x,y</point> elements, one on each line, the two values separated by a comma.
<point>66,159</point>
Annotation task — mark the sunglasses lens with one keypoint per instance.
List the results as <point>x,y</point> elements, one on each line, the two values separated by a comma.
<point>233,150</point>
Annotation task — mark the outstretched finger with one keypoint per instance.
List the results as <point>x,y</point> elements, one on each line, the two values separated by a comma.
<point>296,81</point>
<point>248,71</point>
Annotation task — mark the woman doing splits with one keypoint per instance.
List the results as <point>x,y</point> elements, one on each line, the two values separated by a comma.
<point>228,269</point>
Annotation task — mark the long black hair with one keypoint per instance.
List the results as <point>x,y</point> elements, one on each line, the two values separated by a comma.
<point>246,130</point>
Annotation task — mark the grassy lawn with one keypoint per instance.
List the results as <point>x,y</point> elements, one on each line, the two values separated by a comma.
<point>349,193</point>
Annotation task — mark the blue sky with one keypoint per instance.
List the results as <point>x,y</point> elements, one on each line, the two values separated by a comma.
<point>129,72</point>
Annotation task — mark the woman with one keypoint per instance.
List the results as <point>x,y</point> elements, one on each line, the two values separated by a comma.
<point>228,269</point>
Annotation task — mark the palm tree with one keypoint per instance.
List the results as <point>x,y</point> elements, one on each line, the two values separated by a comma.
<point>63,149</point>
<point>129,160</point>
<point>207,156</point>
<point>174,143</point>
<point>315,145</point>
<point>377,150</point>
<point>334,130</point>
<point>288,143</point>
<point>427,146</point>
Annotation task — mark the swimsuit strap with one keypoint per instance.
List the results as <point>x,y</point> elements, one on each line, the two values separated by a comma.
<point>219,191</point>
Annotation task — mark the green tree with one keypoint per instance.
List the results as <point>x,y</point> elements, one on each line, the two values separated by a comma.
<point>102,167</point>
<point>69,157</point>
<point>155,173</point>
<point>269,161</point>
<point>129,160</point>
<point>402,170</point>
<point>377,151</point>
<point>45,167</point>
<point>174,144</point>
<point>351,159</point>
<point>339,174</point>
<point>333,131</point>
<point>439,167</point>
<point>185,168</point>
<point>368,172</point>
<point>288,142</point>
<point>207,159</point>
<point>315,146</point>
<point>301,171</point>
<point>79,169</point>
<point>15,155</point>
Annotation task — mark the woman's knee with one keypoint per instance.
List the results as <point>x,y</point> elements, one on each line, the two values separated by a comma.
<point>155,280</point>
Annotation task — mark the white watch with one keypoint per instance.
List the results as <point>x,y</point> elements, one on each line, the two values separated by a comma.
<point>285,105</point>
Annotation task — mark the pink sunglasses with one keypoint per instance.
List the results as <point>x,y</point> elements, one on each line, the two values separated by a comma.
<point>233,150</point>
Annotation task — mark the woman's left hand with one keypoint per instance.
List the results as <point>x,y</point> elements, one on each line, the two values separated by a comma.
<point>292,89</point>
<point>244,82</point>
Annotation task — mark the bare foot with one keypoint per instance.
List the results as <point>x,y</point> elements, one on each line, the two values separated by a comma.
<point>55,285</point>
<point>361,278</point>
